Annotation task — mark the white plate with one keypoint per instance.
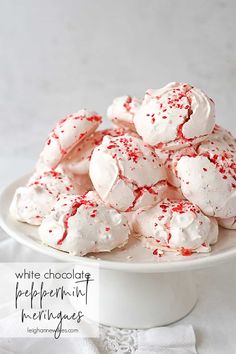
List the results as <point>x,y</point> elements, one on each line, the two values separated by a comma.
<point>133,258</point>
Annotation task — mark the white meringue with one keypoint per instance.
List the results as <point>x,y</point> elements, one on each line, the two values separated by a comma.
<point>121,112</point>
<point>126,173</point>
<point>33,202</point>
<point>219,141</point>
<point>229,223</point>
<point>82,183</point>
<point>68,132</point>
<point>77,161</point>
<point>175,116</point>
<point>209,180</point>
<point>206,173</point>
<point>176,224</point>
<point>80,225</point>
<point>170,159</point>
<point>173,193</point>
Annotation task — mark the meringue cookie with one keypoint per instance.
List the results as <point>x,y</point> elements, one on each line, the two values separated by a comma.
<point>219,141</point>
<point>170,193</point>
<point>173,193</point>
<point>205,172</point>
<point>121,112</point>
<point>175,116</point>
<point>80,225</point>
<point>77,161</point>
<point>176,224</point>
<point>170,159</point>
<point>81,183</point>
<point>68,132</point>
<point>208,181</point>
<point>229,223</point>
<point>33,202</point>
<point>126,173</point>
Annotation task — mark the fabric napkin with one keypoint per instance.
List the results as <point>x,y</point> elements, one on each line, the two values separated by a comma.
<point>167,340</point>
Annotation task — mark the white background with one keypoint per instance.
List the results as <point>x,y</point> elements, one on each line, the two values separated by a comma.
<point>57,56</point>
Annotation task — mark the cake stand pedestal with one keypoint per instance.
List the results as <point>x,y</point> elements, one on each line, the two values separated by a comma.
<point>134,300</point>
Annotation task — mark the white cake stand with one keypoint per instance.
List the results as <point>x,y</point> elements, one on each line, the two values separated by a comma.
<point>137,289</point>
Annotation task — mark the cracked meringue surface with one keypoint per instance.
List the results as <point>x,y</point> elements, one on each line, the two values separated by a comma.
<point>126,173</point>
<point>78,160</point>
<point>81,225</point>
<point>68,132</point>
<point>209,178</point>
<point>219,140</point>
<point>167,173</point>
<point>31,203</point>
<point>206,173</point>
<point>208,182</point>
<point>176,224</point>
<point>170,159</point>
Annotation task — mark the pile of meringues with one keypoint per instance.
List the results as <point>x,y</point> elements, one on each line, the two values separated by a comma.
<point>165,173</point>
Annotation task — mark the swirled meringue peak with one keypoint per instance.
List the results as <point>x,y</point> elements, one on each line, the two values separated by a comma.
<point>81,224</point>
<point>176,225</point>
<point>121,112</point>
<point>175,116</point>
<point>68,132</point>
<point>126,173</point>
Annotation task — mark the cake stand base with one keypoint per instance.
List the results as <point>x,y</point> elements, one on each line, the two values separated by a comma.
<point>145,300</point>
